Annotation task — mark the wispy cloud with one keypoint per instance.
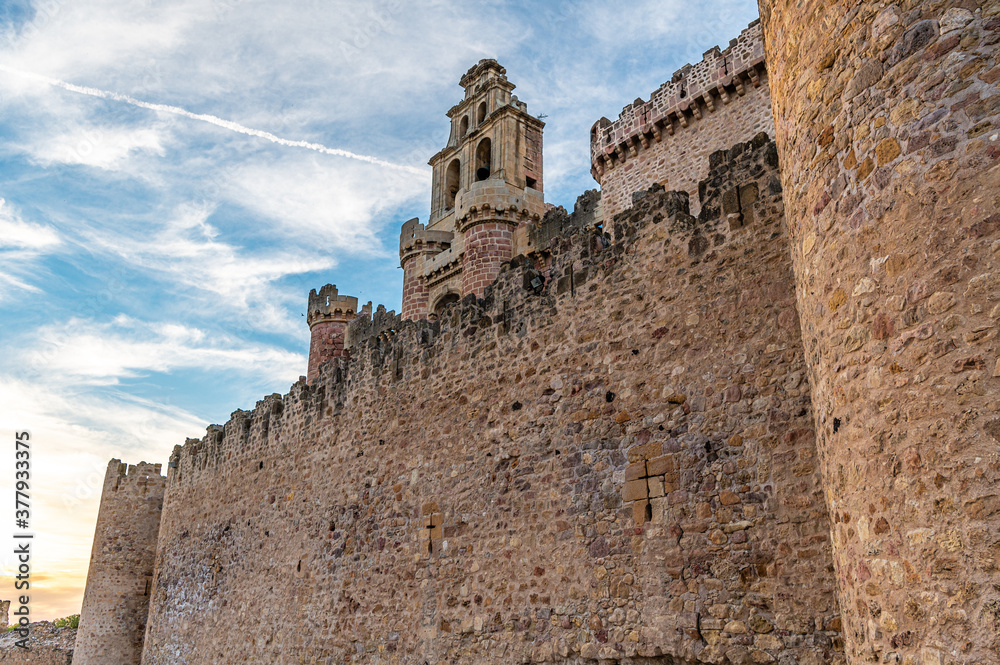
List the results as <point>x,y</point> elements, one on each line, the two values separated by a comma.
<point>83,352</point>
<point>213,120</point>
<point>15,233</point>
<point>102,147</point>
<point>22,246</point>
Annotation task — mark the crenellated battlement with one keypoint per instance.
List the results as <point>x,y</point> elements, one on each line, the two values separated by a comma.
<point>415,239</point>
<point>721,75</point>
<point>126,477</point>
<point>676,425</point>
<point>328,315</point>
<point>329,305</point>
<point>704,107</point>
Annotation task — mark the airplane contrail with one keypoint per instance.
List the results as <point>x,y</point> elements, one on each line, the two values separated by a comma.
<point>219,122</point>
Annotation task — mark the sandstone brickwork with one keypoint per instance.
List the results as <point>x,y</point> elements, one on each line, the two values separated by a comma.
<point>116,599</point>
<point>667,140</point>
<point>465,490</point>
<point>48,644</point>
<point>888,116</point>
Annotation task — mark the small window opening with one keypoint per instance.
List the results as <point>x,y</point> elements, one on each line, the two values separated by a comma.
<point>481,115</point>
<point>836,425</point>
<point>298,568</point>
<point>261,466</point>
<point>452,182</point>
<point>531,183</point>
<point>484,159</point>
<point>649,512</point>
<point>463,127</point>
<point>445,300</point>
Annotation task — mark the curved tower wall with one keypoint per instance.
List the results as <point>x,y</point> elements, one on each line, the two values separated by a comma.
<point>116,600</point>
<point>887,117</point>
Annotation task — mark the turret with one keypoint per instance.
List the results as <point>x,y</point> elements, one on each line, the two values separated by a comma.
<point>328,316</point>
<point>416,246</point>
<point>116,600</point>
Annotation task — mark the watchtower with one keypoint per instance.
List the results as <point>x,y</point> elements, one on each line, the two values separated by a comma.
<point>328,316</point>
<point>116,600</point>
<point>486,182</point>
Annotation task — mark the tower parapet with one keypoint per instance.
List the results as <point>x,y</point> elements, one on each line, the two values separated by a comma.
<point>704,107</point>
<point>417,244</point>
<point>328,316</point>
<point>116,600</point>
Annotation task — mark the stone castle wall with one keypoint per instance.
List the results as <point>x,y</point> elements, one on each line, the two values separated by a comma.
<point>48,646</point>
<point>116,599</point>
<point>617,465</point>
<point>667,140</point>
<point>888,117</point>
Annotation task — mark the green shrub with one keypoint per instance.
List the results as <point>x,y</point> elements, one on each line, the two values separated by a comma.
<point>72,621</point>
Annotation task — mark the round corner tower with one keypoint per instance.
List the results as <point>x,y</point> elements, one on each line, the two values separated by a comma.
<point>116,599</point>
<point>417,246</point>
<point>887,117</point>
<point>328,316</point>
<point>486,182</point>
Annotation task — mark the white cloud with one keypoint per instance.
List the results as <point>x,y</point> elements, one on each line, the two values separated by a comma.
<point>87,353</point>
<point>22,246</point>
<point>66,39</point>
<point>102,147</point>
<point>327,204</point>
<point>186,251</point>
<point>15,233</point>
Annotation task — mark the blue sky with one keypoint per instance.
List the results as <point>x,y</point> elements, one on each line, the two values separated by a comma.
<point>154,268</point>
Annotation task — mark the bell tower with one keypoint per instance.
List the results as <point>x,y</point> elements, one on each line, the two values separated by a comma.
<point>486,182</point>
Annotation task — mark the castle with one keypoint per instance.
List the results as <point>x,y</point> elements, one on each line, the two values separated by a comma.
<point>722,412</point>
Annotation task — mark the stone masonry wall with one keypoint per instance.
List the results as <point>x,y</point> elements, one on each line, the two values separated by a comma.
<point>889,119</point>
<point>48,646</point>
<point>116,599</point>
<point>462,491</point>
<point>667,140</point>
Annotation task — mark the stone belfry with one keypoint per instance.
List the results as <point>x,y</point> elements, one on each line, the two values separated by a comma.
<point>487,183</point>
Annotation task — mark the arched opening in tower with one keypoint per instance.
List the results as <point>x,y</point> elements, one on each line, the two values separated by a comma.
<point>444,301</point>
<point>463,127</point>
<point>481,114</point>
<point>452,182</point>
<point>484,159</point>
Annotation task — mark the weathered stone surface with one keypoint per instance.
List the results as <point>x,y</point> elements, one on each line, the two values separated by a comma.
<point>401,509</point>
<point>47,645</point>
<point>669,140</point>
<point>902,376</point>
<point>116,599</point>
